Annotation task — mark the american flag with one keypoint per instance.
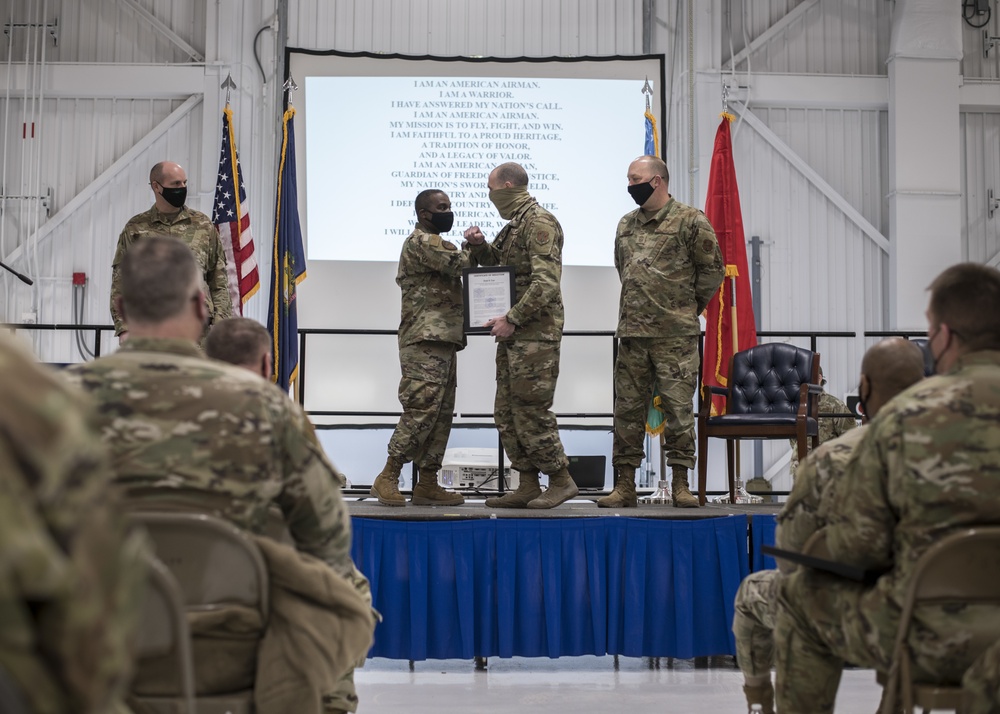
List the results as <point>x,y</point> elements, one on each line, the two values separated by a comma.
<point>231,217</point>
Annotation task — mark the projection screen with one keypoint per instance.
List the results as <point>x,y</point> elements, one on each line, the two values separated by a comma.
<point>372,131</point>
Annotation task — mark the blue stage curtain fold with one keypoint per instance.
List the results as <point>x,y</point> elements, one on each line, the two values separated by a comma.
<point>762,528</point>
<point>671,585</point>
<point>551,588</point>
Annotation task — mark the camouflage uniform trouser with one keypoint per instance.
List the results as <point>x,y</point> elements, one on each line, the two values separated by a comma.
<point>982,683</point>
<point>671,364</point>
<point>824,621</point>
<point>527,371</point>
<point>345,697</point>
<point>427,393</point>
<point>753,622</point>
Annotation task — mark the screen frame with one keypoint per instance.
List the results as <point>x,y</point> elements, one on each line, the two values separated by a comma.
<point>412,64</point>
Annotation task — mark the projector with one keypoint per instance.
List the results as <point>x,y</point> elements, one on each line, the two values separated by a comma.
<point>474,468</point>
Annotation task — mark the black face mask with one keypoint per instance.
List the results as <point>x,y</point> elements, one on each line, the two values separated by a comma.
<point>175,196</point>
<point>443,221</point>
<point>640,192</point>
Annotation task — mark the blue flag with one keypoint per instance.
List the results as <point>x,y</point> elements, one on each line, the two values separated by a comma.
<point>652,145</point>
<point>289,267</point>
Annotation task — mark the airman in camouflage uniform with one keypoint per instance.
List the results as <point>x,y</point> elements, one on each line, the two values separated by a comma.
<point>192,433</point>
<point>981,683</point>
<point>169,216</point>
<point>528,340</point>
<point>829,428</point>
<point>929,464</point>
<point>245,343</point>
<point>888,368</point>
<point>431,332</point>
<point>71,573</point>
<point>670,265</point>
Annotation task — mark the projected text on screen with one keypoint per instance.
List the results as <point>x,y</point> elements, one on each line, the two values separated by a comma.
<point>374,142</point>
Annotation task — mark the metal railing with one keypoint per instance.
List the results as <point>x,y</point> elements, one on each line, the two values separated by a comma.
<point>305,333</point>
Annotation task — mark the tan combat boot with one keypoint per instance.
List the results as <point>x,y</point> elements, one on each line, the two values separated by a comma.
<point>561,489</point>
<point>527,490</point>
<point>624,495</point>
<point>427,492</point>
<point>762,694</point>
<point>386,486</point>
<point>680,490</point>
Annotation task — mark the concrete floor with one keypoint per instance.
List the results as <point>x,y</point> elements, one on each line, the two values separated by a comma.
<point>573,685</point>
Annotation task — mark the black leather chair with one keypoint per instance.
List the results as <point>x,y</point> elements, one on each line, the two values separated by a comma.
<point>773,393</point>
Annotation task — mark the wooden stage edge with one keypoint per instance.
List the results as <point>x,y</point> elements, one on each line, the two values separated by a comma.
<point>585,506</point>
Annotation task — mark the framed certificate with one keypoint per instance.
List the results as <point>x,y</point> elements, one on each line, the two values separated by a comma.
<point>488,293</point>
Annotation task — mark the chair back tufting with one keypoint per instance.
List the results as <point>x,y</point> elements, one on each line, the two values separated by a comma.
<point>765,379</point>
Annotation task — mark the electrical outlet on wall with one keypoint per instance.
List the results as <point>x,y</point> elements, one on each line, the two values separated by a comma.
<point>29,317</point>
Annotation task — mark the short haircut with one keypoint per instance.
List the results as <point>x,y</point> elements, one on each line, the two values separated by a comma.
<point>966,297</point>
<point>238,340</point>
<point>893,365</point>
<point>156,173</point>
<point>425,199</point>
<point>512,172</point>
<point>658,166</point>
<point>159,277</point>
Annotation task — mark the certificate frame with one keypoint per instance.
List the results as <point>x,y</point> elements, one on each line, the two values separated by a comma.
<point>487,292</point>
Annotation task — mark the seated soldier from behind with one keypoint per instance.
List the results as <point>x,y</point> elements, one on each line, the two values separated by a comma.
<point>190,433</point>
<point>247,344</point>
<point>887,369</point>
<point>71,574</point>
<point>927,466</point>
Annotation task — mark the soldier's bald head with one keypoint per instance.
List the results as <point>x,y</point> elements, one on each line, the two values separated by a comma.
<point>164,170</point>
<point>893,365</point>
<point>651,165</point>
<point>510,172</point>
<point>240,341</point>
<point>160,277</point>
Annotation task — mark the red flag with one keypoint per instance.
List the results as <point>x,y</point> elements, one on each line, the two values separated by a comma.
<point>231,217</point>
<point>726,327</point>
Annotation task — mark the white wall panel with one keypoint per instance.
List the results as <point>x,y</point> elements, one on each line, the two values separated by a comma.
<point>85,242</point>
<point>820,271</point>
<point>981,172</point>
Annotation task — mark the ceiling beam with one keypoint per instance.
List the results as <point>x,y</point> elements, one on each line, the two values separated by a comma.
<point>104,81</point>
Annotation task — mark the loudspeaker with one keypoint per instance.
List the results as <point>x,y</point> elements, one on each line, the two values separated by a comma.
<point>587,471</point>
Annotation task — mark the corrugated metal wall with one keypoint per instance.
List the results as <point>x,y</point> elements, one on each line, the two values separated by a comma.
<point>497,28</point>
<point>104,30</point>
<point>980,175</point>
<point>845,37</point>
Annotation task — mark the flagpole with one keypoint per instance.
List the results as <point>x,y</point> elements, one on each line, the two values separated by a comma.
<point>736,348</point>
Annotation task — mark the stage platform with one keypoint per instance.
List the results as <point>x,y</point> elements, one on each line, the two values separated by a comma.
<point>468,581</point>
